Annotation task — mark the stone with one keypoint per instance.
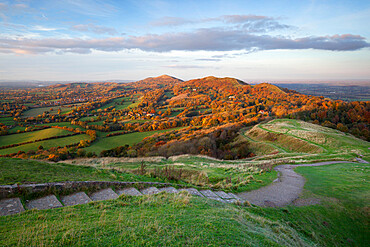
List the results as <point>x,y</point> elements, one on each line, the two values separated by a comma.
<point>211,195</point>
<point>234,196</point>
<point>169,190</point>
<point>105,194</point>
<point>10,206</point>
<point>192,191</point>
<point>46,202</point>
<point>224,195</point>
<point>150,191</point>
<point>75,199</point>
<point>129,191</point>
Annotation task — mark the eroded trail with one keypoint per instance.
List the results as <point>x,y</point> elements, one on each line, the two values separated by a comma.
<point>284,190</point>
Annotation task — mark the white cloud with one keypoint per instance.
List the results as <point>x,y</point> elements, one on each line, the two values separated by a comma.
<point>42,28</point>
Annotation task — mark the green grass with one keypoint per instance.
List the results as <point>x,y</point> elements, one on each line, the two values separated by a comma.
<point>126,104</point>
<point>64,124</point>
<point>29,171</point>
<point>121,140</point>
<point>15,129</point>
<point>154,220</point>
<point>346,182</point>
<point>88,118</point>
<point>32,136</point>
<point>137,121</point>
<point>96,123</point>
<point>135,104</point>
<point>46,144</point>
<point>7,120</point>
<point>34,112</point>
<point>326,225</point>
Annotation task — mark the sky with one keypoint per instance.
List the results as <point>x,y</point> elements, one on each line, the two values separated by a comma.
<point>96,40</point>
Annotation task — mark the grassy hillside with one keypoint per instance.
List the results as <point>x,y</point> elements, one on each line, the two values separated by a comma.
<point>28,171</point>
<point>293,138</point>
<point>346,182</point>
<point>177,219</point>
<point>157,220</point>
<point>116,103</point>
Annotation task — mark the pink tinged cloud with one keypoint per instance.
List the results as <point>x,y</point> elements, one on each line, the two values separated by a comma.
<point>211,39</point>
<point>94,29</point>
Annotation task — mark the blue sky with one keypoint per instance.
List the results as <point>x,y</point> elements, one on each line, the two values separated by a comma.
<point>131,40</point>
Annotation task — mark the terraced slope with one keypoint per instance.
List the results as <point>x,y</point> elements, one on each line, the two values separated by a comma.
<point>294,137</point>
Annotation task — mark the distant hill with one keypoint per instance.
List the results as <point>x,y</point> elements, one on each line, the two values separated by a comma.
<point>215,83</point>
<point>270,87</point>
<point>155,82</point>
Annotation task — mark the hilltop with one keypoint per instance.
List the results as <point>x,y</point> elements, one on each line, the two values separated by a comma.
<point>271,88</point>
<point>155,82</point>
<point>215,83</point>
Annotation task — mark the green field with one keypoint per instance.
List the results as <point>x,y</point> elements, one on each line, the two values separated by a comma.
<point>46,144</point>
<point>7,120</point>
<point>15,129</point>
<point>32,136</point>
<point>64,124</point>
<point>127,102</point>
<point>34,112</point>
<point>96,123</point>
<point>91,118</point>
<point>121,140</point>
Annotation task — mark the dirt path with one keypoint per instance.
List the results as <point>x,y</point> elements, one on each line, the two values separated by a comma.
<point>284,190</point>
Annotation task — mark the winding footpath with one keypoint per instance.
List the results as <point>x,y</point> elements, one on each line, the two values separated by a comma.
<point>285,189</point>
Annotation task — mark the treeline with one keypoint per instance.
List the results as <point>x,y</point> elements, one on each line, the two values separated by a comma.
<point>220,142</point>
